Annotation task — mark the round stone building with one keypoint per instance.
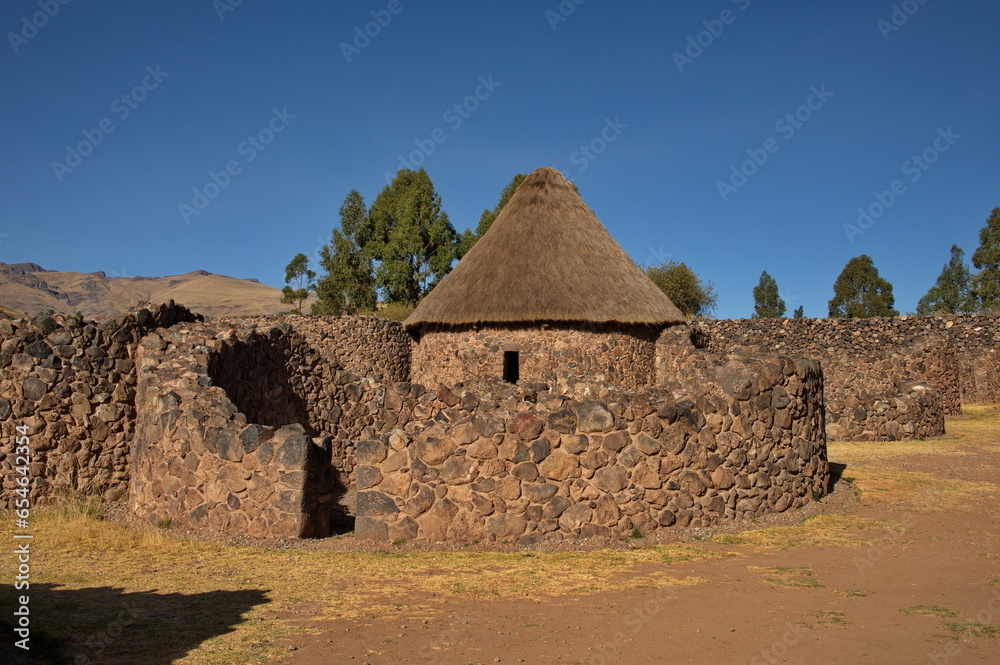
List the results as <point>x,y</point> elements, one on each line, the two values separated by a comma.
<point>545,294</point>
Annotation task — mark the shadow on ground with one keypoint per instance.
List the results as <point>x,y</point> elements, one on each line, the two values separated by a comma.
<point>106,625</point>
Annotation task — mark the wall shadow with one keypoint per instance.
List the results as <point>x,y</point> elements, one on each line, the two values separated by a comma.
<point>257,378</point>
<point>836,473</point>
<point>105,625</point>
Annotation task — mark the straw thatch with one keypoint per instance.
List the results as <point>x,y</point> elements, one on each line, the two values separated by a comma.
<point>546,258</point>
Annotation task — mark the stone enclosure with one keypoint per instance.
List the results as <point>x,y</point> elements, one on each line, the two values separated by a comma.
<point>291,426</point>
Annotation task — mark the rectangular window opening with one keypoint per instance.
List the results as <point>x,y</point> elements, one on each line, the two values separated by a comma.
<point>511,367</point>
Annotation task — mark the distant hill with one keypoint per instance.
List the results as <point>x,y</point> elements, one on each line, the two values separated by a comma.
<point>29,288</point>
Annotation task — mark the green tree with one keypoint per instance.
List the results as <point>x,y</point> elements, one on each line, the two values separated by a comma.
<point>692,295</point>
<point>859,292</point>
<point>298,273</point>
<point>470,237</point>
<point>412,239</point>
<point>767,303</point>
<point>986,283</point>
<point>800,312</point>
<point>348,286</point>
<point>952,293</point>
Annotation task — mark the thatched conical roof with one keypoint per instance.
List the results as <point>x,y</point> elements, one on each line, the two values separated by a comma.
<point>545,258</point>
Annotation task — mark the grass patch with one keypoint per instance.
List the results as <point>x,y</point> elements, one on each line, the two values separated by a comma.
<point>978,425</point>
<point>994,582</point>
<point>830,617</point>
<point>831,530</point>
<point>973,630</point>
<point>851,593</point>
<point>853,452</point>
<point>930,611</point>
<point>788,577</point>
<point>683,553</point>
<point>916,490</point>
<point>141,586</point>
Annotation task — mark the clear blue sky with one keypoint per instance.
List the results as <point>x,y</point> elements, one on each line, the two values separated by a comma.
<point>555,85</point>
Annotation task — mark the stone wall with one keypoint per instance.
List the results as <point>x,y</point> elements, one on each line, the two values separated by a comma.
<point>893,388</point>
<point>199,462</point>
<point>621,355</point>
<point>250,427</point>
<point>972,343</point>
<point>72,383</point>
<point>364,345</point>
<point>744,440</point>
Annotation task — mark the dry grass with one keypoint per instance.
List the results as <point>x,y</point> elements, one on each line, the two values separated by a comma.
<point>830,530</point>
<point>879,483</point>
<point>92,576</point>
<point>915,490</point>
<point>789,577</point>
<point>930,611</point>
<point>973,630</point>
<point>978,426</point>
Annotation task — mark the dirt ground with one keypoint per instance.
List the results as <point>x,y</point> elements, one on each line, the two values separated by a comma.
<point>924,590</point>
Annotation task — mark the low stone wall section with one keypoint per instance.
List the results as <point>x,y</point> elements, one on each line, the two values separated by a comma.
<point>879,398</point>
<point>746,441</point>
<point>72,384</point>
<point>967,371</point>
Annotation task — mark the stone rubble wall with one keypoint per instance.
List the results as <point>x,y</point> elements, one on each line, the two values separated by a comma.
<point>72,383</point>
<point>363,345</point>
<point>880,385</point>
<point>620,355</point>
<point>745,440</point>
<point>199,462</point>
<point>969,362</point>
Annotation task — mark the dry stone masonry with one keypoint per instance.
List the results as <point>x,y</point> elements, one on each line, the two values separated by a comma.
<point>745,442</point>
<point>621,355</point>
<point>298,426</point>
<point>72,383</point>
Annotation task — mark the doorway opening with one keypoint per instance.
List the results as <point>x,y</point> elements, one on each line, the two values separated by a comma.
<point>511,367</point>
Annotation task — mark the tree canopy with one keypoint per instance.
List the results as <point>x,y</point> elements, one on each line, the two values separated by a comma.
<point>859,292</point>
<point>767,302</point>
<point>986,258</point>
<point>800,312</point>
<point>297,272</point>
<point>952,292</point>
<point>692,295</point>
<point>348,287</point>
<point>412,240</point>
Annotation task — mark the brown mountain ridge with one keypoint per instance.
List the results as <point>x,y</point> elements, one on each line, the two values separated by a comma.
<point>30,288</point>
